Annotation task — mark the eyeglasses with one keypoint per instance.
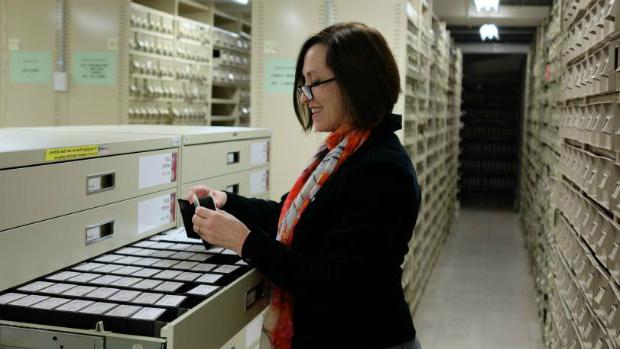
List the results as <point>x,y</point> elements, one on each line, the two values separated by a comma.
<point>307,89</point>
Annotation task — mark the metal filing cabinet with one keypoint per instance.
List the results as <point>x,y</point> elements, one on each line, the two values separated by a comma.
<point>91,256</point>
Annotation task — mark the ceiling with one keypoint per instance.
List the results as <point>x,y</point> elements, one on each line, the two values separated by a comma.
<point>516,19</point>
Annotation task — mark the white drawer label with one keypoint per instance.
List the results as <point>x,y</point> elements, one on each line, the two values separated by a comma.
<point>259,153</point>
<point>258,182</point>
<point>157,170</point>
<point>156,212</point>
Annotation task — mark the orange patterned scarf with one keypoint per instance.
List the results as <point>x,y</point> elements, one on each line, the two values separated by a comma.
<point>278,324</point>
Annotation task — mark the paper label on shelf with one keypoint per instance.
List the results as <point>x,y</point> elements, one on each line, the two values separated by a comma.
<point>14,44</point>
<point>157,170</point>
<point>94,68</point>
<point>70,153</point>
<point>279,75</point>
<point>31,67</point>
<point>270,47</point>
<point>258,182</point>
<point>112,44</point>
<point>259,153</point>
<point>154,213</point>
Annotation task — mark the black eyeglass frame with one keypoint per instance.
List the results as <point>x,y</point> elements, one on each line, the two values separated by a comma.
<point>307,89</point>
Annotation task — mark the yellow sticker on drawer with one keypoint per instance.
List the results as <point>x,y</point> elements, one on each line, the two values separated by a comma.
<point>70,153</point>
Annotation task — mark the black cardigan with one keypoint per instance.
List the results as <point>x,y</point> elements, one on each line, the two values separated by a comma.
<point>343,268</point>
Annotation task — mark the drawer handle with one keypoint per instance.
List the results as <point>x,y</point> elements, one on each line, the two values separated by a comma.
<point>233,188</point>
<point>98,232</point>
<point>232,157</point>
<point>100,182</point>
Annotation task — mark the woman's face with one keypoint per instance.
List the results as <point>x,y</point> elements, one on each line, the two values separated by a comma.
<point>326,105</point>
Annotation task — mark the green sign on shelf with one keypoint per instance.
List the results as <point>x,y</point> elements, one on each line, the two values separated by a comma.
<point>279,75</point>
<point>31,67</point>
<point>94,68</point>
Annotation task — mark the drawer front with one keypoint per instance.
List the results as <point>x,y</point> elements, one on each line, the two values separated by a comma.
<point>251,183</point>
<point>67,240</point>
<point>24,335</point>
<point>214,322</point>
<point>216,159</point>
<point>32,194</point>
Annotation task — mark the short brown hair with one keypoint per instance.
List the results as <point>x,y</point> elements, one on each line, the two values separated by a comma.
<point>364,68</point>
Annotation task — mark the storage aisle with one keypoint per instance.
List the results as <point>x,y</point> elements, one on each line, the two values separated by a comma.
<point>481,293</point>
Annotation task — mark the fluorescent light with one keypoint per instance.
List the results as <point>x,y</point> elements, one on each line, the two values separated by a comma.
<point>489,31</point>
<point>242,2</point>
<point>487,5</point>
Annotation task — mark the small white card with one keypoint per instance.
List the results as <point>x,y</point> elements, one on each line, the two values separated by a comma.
<point>259,153</point>
<point>145,273</point>
<point>79,291</point>
<point>63,275</point>
<point>130,269</point>
<point>57,289</point>
<point>187,276</point>
<point>84,278</point>
<point>150,314</point>
<point>170,301</point>
<point>209,278</point>
<point>126,281</point>
<point>105,280</point>
<point>51,303</point>
<point>226,269</point>
<point>87,266</point>
<point>147,284</point>
<point>109,258</point>
<point>185,265</point>
<point>123,311</point>
<point>203,290</point>
<point>157,170</point>
<point>103,292</point>
<point>147,298</point>
<point>28,301</point>
<point>98,308</point>
<point>154,213</point>
<point>167,274</point>
<point>169,286</point>
<point>35,286</point>
<point>258,182</point>
<point>124,296</point>
<point>74,305</point>
<point>108,268</point>
<point>10,297</point>
<point>204,267</point>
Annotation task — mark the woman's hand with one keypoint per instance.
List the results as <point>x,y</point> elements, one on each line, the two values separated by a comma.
<point>201,191</point>
<point>220,228</point>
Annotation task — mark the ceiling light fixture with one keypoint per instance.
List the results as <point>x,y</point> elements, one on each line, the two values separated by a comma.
<point>487,5</point>
<point>242,2</point>
<point>489,32</point>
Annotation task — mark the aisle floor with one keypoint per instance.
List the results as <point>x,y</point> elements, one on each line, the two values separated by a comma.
<point>481,293</point>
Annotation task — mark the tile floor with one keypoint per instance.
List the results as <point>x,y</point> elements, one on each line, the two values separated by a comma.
<point>481,294</point>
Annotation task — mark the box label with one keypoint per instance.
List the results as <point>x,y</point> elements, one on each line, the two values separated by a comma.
<point>70,153</point>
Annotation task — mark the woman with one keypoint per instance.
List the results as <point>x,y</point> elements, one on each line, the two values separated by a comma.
<point>333,246</point>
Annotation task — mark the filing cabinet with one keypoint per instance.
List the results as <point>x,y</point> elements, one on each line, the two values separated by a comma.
<point>112,267</point>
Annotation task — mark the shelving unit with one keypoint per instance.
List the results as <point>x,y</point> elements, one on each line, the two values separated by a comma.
<point>489,140</point>
<point>189,64</point>
<point>570,180</point>
<point>431,136</point>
